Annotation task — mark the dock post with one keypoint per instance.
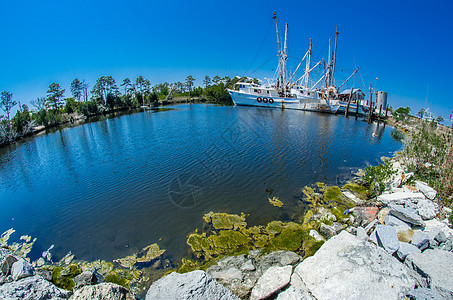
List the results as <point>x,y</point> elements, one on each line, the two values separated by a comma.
<point>357,108</point>
<point>380,110</point>
<point>386,110</point>
<point>371,111</point>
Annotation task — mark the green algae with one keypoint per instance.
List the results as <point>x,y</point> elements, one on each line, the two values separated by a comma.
<point>198,243</point>
<point>275,202</point>
<point>225,221</point>
<point>308,215</point>
<point>128,261</point>
<point>333,193</point>
<point>289,237</point>
<point>63,277</point>
<point>274,227</point>
<point>260,241</point>
<point>228,241</point>
<point>122,277</point>
<point>358,190</point>
<point>113,278</point>
<point>5,237</point>
<point>67,259</point>
<point>152,252</point>
<point>310,246</point>
<point>188,265</point>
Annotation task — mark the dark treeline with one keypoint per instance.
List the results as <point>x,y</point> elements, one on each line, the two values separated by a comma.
<point>106,95</point>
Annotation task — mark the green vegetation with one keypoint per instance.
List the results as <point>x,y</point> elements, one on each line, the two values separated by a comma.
<point>428,153</point>
<point>377,176</point>
<point>63,276</point>
<point>275,202</point>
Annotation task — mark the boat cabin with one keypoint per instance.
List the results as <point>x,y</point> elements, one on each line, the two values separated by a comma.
<point>253,88</point>
<point>357,95</point>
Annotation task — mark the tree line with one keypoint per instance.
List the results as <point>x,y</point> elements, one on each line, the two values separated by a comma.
<point>105,96</point>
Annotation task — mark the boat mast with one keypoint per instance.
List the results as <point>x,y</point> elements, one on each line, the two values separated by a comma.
<point>332,61</point>
<point>281,82</point>
<point>335,53</point>
<point>307,66</point>
<point>284,57</point>
<point>328,72</point>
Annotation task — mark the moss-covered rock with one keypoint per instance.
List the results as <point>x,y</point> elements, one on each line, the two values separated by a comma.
<point>289,237</point>
<point>63,276</point>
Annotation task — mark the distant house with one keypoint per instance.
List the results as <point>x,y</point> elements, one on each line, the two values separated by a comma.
<point>357,94</point>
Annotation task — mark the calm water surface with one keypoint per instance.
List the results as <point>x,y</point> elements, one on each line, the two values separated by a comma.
<point>107,189</point>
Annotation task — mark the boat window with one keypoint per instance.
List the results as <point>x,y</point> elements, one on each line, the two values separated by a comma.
<point>255,90</point>
<point>268,92</point>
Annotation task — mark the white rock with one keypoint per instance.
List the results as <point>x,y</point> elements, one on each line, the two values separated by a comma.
<point>105,290</point>
<point>34,287</point>
<point>431,224</point>
<point>371,226</point>
<point>420,239</point>
<point>446,210</point>
<point>352,197</point>
<point>428,191</point>
<point>387,238</point>
<point>427,209</point>
<point>228,274</point>
<point>400,198</point>
<point>346,267</point>
<point>405,249</point>
<point>436,267</point>
<point>293,293</point>
<point>313,233</point>
<point>22,269</point>
<point>361,234</point>
<point>406,214</point>
<point>248,266</point>
<point>191,285</point>
<point>327,231</point>
<point>274,279</point>
<point>424,294</point>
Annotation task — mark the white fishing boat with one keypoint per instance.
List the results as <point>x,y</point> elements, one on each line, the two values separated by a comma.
<point>290,92</point>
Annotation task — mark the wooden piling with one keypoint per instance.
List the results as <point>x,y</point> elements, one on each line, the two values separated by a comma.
<point>380,110</point>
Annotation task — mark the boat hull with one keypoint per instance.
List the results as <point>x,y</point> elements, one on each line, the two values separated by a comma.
<point>308,104</point>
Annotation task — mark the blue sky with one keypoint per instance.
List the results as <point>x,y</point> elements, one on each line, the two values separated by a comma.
<point>405,44</point>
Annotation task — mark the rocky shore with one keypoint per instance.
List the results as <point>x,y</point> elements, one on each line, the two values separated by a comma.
<point>396,248</point>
